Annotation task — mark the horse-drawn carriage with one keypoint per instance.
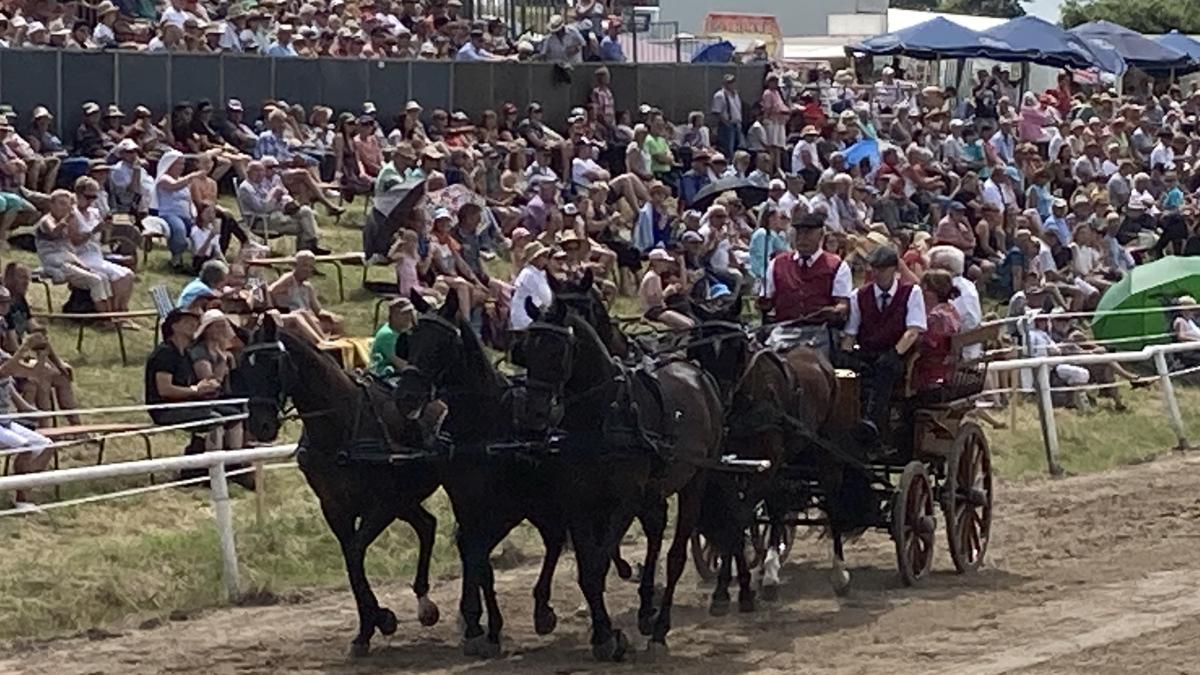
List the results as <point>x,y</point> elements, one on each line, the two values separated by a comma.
<point>938,458</point>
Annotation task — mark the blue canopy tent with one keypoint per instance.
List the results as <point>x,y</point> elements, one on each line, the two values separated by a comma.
<point>1138,50</point>
<point>1044,43</point>
<point>718,52</point>
<point>1180,42</point>
<point>938,38</point>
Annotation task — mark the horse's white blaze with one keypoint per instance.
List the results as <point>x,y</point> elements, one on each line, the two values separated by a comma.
<point>771,567</point>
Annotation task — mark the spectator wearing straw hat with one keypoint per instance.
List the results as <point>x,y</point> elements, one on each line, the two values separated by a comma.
<point>531,284</point>
<point>563,44</point>
<point>390,345</point>
<point>213,361</point>
<point>103,35</point>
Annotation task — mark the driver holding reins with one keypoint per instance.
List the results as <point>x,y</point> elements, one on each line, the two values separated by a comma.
<point>809,287</point>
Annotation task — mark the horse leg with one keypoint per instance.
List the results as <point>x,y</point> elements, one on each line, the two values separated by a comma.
<point>770,569</point>
<point>720,597</point>
<point>544,618</point>
<point>839,578</point>
<point>591,555</point>
<point>689,514</point>
<point>745,587</point>
<point>425,525</point>
<point>654,524</point>
<point>469,606</point>
<point>354,542</point>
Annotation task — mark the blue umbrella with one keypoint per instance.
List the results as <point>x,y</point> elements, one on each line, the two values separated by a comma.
<point>1047,44</point>
<point>1138,50</point>
<point>719,52</point>
<point>1180,42</point>
<point>937,38</point>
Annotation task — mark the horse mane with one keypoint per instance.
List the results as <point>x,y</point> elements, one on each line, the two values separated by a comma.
<point>477,360</point>
<point>587,334</point>
<point>313,364</point>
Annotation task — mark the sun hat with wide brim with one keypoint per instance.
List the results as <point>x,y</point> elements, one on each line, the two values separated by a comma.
<point>207,319</point>
<point>660,255</point>
<point>535,249</point>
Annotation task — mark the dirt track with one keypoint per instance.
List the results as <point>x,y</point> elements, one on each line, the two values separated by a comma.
<point>1091,574</point>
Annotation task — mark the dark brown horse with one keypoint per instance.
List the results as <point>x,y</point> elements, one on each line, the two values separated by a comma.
<point>359,500</point>
<point>633,437</point>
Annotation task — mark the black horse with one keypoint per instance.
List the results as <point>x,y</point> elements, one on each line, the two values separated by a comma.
<point>633,437</point>
<point>359,500</point>
<point>494,481</point>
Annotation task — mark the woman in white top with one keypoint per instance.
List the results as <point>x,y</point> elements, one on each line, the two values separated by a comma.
<point>531,284</point>
<point>87,232</point>
<point>57,255</point>
<point>1184,326</point>
<point>174,200</point>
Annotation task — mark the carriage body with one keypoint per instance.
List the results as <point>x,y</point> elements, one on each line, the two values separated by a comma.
<point>945,466</point>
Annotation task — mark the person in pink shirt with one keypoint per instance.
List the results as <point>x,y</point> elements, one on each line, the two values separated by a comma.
<point>370,154</point>
<point>1033,118</point>
<point>775,116</point>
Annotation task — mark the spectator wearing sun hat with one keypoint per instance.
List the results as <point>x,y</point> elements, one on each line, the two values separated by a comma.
<point>531,284</point>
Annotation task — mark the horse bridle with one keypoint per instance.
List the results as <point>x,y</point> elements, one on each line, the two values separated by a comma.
<point>555,388</point>
<point>277,351</point>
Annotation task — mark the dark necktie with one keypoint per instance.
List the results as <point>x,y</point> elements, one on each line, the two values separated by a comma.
<point>883,300</point>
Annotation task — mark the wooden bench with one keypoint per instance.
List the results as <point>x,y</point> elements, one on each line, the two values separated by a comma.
<point>93,317</point>
<point>334,259</point>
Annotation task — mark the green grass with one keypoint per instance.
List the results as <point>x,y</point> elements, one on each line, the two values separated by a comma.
<point>143,557</point>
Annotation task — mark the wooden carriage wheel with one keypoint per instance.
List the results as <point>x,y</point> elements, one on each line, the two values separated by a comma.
<point>704,557</point>
<point>913,523</point>
<point>967,498</point>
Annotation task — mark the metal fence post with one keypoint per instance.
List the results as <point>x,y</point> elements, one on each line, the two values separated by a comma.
<point>1168,392</point>
<point>1046,413</point>
<point>223,513</point>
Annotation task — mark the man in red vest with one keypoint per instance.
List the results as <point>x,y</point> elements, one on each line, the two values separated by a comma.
<point>810,285</point>
<point>886,318</point>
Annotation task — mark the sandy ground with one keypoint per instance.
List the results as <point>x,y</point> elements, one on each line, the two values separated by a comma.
<point>1092,574</point>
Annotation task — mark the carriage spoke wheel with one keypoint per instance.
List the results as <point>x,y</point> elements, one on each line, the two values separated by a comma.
<point>704,557</point>
<point>967,501</point>
<point>913,523</point>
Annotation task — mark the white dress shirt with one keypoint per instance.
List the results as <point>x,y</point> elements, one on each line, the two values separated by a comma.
<point>843,286</point>
<point>914,315</point>
<point>530,283</point>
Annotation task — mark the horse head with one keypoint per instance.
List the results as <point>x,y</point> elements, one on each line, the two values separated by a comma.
<point>263,376</point>
<point>437,360</point>
<point>582,297</point>
<point>547,351</point>
<point>723,349</point>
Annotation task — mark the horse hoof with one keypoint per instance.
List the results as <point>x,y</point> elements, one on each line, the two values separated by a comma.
<point>718,607</point>
<point>841,583</point>
<point>624,571</point>
<point>386,621</point>
<point>770,593</point>
<point>646,624</point>
<point>481,647</point>
<point>746,603</point>
<point>613,650</point>
<point>656,651</point>
<point>427,612</point>
<point>544,620</point>
<point>359,650</point>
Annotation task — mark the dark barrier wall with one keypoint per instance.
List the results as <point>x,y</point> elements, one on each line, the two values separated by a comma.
<point>63,81</point>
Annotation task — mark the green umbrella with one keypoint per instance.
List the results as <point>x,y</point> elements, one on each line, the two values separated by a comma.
<point>1153,286</point>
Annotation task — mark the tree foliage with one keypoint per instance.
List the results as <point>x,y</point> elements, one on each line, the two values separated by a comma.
<point>1001,8</point>
<point>1143,16</point>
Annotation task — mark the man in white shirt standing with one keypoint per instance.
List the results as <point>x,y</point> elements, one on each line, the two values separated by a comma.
<point>531,284</point>
<point>793,202</point>
<point>806,162</point>
<point>886,318</point>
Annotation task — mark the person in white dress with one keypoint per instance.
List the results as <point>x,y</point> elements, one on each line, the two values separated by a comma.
<point>87,233</point>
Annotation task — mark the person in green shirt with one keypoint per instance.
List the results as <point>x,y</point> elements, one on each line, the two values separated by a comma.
<point>658,148</point>
<point>390,346</point>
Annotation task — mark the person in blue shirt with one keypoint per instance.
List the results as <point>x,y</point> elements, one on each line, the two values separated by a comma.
<point>654,223</point>
<point>475,49</point>
<point>1173,199</point>
<point>206,286</point>
<point>610,47</point>
<point>1057,222</point>
<point>695,179</point>
<point>282,46</point>
<point>768,239</point>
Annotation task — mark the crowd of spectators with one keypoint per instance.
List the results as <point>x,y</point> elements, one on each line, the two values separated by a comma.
<point>1027,201</point>
<point>400,29</point>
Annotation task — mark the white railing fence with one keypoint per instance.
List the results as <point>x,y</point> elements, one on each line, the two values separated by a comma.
<point>218,478</point>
